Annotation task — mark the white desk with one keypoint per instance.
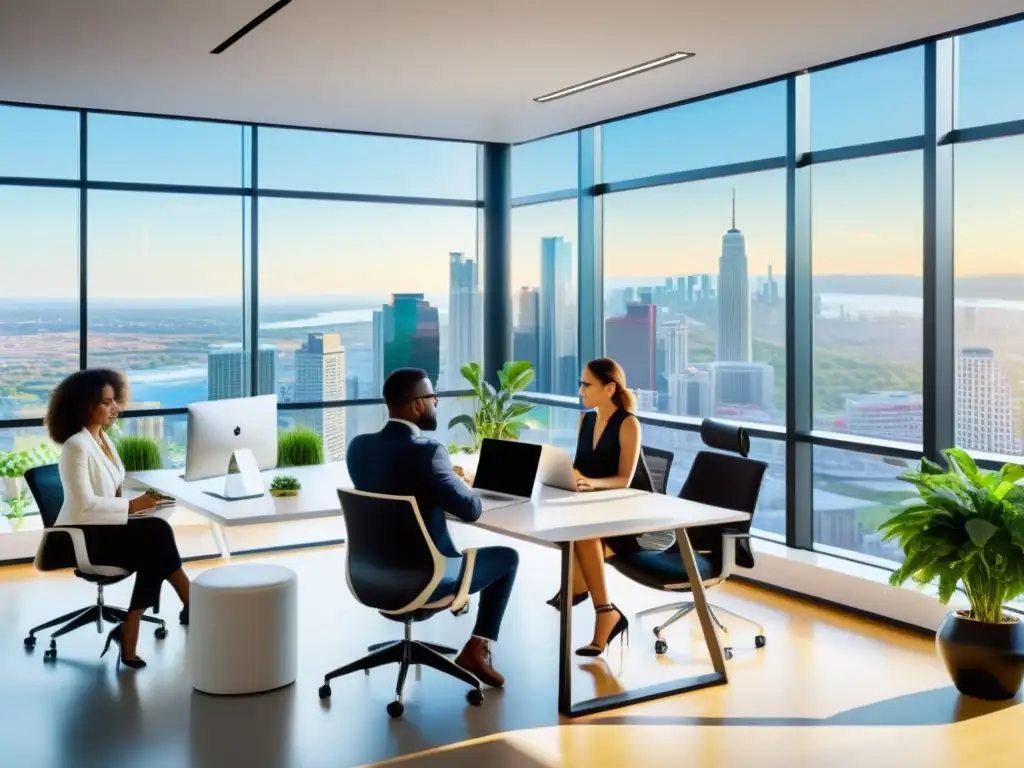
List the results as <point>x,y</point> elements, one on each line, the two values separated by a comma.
<point>552,518</point>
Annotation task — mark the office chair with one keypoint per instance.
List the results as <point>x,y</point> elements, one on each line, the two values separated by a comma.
<point>394,567</point>
<point>717,479</point>
<point>65,548</point>
<point>658,464</point>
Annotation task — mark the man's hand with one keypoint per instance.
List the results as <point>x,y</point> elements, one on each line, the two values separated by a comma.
<point>467,478</point>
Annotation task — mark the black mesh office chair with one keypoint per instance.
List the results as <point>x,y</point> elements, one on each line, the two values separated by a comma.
<point>65,548</point>
<point>393,566</point>
<point>721,480</point>
<point>657,463</point>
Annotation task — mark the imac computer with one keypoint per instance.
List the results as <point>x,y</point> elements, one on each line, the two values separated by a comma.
<point>218,428</point>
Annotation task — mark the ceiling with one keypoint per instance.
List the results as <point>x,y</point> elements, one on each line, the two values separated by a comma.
<point>465,69</point>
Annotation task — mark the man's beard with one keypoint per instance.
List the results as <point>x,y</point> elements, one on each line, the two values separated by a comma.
<point>427,422</point>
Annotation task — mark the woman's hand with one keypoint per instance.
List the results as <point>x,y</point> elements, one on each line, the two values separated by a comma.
<point>143,503</point>
<point>583,484</point>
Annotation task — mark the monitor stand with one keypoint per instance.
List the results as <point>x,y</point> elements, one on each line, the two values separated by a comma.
<point>243,480</point>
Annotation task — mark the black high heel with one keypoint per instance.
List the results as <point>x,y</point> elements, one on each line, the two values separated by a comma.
<point>117,635</point>
<point>556,601</point>
<point>621,628</point>
<point>183,616</point>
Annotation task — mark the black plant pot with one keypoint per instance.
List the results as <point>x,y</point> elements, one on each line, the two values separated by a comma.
<point>985,660</point>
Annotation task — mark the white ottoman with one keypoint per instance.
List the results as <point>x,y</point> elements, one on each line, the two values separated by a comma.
<point>242,634</point>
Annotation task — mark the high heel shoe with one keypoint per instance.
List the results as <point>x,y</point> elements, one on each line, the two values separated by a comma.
<point>556,601</point>
<point>183,616</point>
<point>621,628</point>
<point>117,635</point>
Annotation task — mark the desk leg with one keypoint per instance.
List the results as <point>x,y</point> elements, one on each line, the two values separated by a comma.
<point>700,603</point>
<point>220,539</point>
<point>565,632</point>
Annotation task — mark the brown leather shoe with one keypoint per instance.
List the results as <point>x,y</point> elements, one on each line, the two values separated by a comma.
<point>476,659</point>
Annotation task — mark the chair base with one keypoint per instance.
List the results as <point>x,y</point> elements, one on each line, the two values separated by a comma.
<point>684,609</point>
<point>97,614</point>
<point>407,653</point>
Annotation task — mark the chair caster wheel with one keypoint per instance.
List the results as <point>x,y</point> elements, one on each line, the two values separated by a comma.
<point>395,709</point>
<point>160,633</point>
<point>325,691</point>
<point>475,697</point>
<point>50,655</point>
<point>760,641</point>
<point>727,652</point>
<point>660,646</point>
<point>30,642</point>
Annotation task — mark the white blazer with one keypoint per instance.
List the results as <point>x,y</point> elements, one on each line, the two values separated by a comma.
<point>90,482</point>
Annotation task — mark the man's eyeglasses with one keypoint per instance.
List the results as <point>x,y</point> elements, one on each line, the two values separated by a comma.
<point>433,397</point>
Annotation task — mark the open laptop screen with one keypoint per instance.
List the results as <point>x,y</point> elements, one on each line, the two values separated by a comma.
<point>507,466</point>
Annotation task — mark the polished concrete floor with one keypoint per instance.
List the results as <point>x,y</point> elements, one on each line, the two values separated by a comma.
<point>871,692</point>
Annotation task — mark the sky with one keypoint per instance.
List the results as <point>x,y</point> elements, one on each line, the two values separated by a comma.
<point>867,213</point>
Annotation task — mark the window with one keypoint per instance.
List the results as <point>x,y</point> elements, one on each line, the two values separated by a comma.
<point>546,165</point>
<point>38,296</point>
<point>867,282</point>
<point>165,293</point>
<point>873,99</point>
<point>545,294</point>
<point>164,151</point>
<point>322,161</point>
<point>351,291</point>
<point>989,250</point>
<point>991,72</point>
<point>734,128</point>
<point>854,493</point>
<point>693,303</point>
<point>169,432</point>
<point>41,143</point>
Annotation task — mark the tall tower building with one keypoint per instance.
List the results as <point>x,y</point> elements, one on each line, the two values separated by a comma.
<point>676,347</point>
<point>411,335</point>
<point>984,403</point>
<point>526,336</point>
<point>378,350</point>
<point>557,365</point>
<point>465,316</point>
<point>733,296</point>
<point>320,377</point>
<point>226,370</point>
<point>630,341</point>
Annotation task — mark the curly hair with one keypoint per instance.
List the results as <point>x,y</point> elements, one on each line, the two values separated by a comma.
<point>74,399</point>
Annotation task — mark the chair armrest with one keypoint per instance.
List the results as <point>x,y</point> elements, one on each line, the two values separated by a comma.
<point>82,561</point>
<point>729,539</point>
<point>462,596</point>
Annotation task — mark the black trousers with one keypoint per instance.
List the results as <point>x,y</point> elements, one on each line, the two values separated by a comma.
<point>145,546</point>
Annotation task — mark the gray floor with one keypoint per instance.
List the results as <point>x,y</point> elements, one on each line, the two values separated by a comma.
<point>79,712</point>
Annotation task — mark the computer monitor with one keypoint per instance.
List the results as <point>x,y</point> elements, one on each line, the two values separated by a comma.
<point>507,466</point>
<point>216,429</point>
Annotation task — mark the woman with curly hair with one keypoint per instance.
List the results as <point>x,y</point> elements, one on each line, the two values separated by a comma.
<point>91,473</point>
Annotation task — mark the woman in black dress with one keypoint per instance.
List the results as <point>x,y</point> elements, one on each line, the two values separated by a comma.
<point>607,456</point>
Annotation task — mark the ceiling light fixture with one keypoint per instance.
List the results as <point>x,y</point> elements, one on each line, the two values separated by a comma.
<point>671,58</point>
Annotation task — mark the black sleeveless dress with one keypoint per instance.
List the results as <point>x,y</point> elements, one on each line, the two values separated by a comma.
<point>602,461</point>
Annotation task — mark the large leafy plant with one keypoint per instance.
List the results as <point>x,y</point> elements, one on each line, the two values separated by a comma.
<point>16,463</point>
<point>966,527</point>
<point>497,414</point>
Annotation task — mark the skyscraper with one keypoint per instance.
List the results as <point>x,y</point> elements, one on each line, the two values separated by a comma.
<point>733,296</point>
<point>226,367</point>
<point>630,341</point>
<point>320,377</point>
<point>676,347</point>
<point>984,404</point>
<point>526,336</point>
<point>556,370</point>
<point>689,393</point>
<point>411,335</point>
<point>465,318</point>
<point>378,349</point>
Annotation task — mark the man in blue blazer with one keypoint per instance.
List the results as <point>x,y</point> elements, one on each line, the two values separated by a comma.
<point>400,461</point>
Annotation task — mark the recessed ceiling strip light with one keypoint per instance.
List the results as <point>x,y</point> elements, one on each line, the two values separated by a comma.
<point>250,26</point>
<point>672,58</point>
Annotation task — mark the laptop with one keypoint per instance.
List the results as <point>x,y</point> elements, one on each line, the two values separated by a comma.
<point>507,470</point>
<point>556,469</point>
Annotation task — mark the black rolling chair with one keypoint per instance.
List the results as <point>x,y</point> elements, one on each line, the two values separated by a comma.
<point>65,548</point>
<point>717,479</point>
<point>658,464</point>
<point>393,566</point>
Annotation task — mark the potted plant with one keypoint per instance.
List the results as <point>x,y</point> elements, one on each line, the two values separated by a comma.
<point>138,454</point>
<point>285,485</point>
<point>497,415</point>
<point>16,507</point>
<point>299,447</point>
<point>967,528</point>
<point>14,465</point>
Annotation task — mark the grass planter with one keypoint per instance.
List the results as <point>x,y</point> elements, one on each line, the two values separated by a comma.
<point>299,447</point>
<point>138,454</point>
